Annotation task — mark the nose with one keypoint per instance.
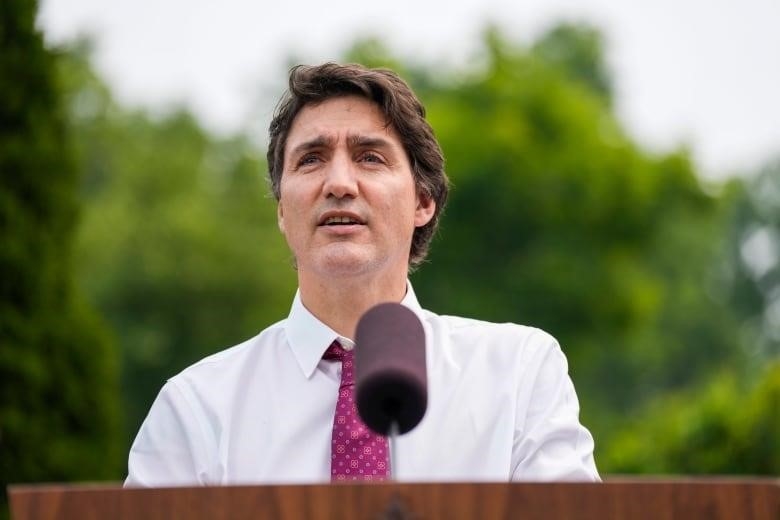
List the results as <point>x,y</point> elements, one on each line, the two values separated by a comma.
<point>340,178</point>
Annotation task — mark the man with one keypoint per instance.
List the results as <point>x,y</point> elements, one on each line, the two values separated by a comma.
<point>359,180</point>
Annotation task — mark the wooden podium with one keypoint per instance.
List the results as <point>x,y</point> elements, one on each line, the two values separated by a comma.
<point>632,499</point>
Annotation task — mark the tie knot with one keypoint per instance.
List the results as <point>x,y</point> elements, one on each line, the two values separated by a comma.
<point>336,352</point>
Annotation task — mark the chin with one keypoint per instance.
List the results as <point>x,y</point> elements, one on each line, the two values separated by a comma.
<point>346,268</point>
<point>345,263</point>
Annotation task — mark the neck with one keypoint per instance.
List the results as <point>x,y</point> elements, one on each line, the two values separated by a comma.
<point>340,303</point>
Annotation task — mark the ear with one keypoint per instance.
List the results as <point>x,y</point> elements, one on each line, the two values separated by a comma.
<point>280,216</point>
<point>426,207</point>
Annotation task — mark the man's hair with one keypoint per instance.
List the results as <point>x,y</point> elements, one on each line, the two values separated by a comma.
<point>311,85</point>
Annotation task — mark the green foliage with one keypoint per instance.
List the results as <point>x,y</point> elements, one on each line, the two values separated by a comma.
<point>58,401</point>
<point>179,246</point>
<point>559,220</point>
<point>579,51</point>
<point>372,52</point>
<point>753,270</point>
<point>721,428</point>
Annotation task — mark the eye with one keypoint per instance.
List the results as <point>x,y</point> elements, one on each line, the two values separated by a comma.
<point>371,157</point>
<point>307,159</point>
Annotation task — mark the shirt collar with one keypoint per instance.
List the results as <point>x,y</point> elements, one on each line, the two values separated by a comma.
<point>309,338</point>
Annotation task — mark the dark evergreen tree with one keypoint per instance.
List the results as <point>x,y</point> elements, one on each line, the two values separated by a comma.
<point>58,388</point>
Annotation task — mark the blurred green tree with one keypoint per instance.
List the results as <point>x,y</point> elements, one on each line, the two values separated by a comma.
<point>730,424</point>
<point>578,51</point>
<point>725,427</point>
<point>59,409</point>
<point>752,273</point>
<point>179,247</point>
<point>557,219</point>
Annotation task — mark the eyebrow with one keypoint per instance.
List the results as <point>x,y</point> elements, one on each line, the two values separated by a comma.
<point>353,141</point>
<point>320,141</point>
<point>362,141</point>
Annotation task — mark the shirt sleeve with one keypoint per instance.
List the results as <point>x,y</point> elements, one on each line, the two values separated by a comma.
<point>550,443</point>
<point>170,448</point>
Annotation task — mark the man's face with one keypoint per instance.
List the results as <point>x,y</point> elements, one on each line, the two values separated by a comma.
<point>348,203</point>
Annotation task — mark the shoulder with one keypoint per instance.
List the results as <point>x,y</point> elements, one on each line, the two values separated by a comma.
<point>490,333</point>
<point>226,364</point>
<point>496,343</point>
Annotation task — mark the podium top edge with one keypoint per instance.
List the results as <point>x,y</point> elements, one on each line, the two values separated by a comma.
<point>609,481</point>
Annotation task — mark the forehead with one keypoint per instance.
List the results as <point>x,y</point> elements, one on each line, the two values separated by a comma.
<point>339,118</point>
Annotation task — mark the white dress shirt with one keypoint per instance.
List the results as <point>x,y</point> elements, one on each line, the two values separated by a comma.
<point>501,407</point>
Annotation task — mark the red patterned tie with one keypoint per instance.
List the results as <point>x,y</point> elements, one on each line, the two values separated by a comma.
<point>357,453</point>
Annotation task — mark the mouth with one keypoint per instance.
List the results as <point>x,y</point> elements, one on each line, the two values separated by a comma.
<point>340,221</point>
<point>334,219</point>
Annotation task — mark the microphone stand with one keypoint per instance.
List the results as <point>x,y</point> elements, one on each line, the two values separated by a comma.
<point>396,509</point>
<point>393,435</point>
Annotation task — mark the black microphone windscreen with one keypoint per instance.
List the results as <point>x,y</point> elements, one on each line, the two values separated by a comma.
<point>391,383</point>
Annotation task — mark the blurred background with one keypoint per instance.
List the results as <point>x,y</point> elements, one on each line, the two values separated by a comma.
<point>616,181</point>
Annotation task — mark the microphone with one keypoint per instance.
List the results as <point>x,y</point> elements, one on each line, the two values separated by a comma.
<point>391,383</point>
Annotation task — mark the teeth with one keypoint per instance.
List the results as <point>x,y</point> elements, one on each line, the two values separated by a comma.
<point>340,220</point>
